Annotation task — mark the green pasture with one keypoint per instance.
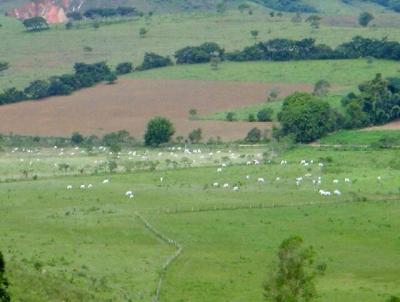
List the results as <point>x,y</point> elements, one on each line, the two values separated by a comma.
<point>363,138</point>
<point>90,246</point>
<point>40,55</point>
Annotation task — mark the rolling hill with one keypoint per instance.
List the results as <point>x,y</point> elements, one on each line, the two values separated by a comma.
<point>308,6</point>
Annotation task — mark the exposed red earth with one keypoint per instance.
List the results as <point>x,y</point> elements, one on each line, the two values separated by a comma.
<point>129,104</point>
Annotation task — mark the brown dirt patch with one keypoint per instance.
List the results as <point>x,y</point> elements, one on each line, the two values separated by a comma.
<point>390,126</point>
<point>129,104</point>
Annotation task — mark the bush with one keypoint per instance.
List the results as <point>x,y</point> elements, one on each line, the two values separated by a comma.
<point>195,136</point>
<point>198,54</point>
<point>159,131</point>
<point>306,117</point>
<point>37,89</point>
<point>230,116</point>
<point>124,68</point>
<point>77,138</point>
<point>254,136</point>
<point>11,95</point>
<point>3,66</point>
<point>265,115</point>
<point>251,118</point>
<point>35,24</point>
<point>153,60</point>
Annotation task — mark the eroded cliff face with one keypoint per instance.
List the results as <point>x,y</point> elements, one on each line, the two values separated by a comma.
<point>54,11</point>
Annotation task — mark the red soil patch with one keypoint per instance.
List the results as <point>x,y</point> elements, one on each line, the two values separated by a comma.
<point>129,104</point>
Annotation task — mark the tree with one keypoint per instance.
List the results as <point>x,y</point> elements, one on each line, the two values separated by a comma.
<point>4,296</point>
<point>35,24</point>
<point>265,115</point>
<point>253,136</point>
<point>230,116</point>
<point>293,279</point>
<point>306,117</point>
<point>77,138</point>
<point>365,18</point>
<point>143,32</point>
<point>315,21</point>
<point>192,114</point>
<point>3,66</point>
<point>159,130</point>
<point>195,136</point>
<point>321,88</point>
<point>221,7</point>
<point>254,34</point>
<point>37,89</point>
<point>12,95</point>
<point>251,118</point>
<point>153,60</point>
<point>124,68</point>
<point>111,78</point>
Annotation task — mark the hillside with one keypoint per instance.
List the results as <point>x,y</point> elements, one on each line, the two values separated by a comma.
<point>347,7</point>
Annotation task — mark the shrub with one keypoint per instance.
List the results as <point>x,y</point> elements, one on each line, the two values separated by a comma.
<point>254,136</point>
<point>159,130</point>
<point>153,60</point>
<point>230,116</point>
<point>77,138</point>
<point>195,136</point>
<point>11,95</point>
<point>124,68</point>
<point>265,115</point>
<point>35,24</point>
<point>365,18</point>
<point>251,118</point>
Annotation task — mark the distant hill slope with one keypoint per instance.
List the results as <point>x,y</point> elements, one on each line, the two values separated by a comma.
<point>310,6</point>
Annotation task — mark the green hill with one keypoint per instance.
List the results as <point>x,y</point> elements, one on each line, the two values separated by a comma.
<point>307,6</point>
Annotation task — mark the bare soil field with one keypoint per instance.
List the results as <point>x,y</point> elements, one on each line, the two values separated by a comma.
<point>129,104</point>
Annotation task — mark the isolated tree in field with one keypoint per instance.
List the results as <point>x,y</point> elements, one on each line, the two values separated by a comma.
<point>315,21</point>
<point>294,277</point>
<point>306,117</point>
<point>254,34</point>
<point>265,115</point>
<point>4,296</point>
<point>253,136</point>
<point>365,19</point>
<point>3,66</point>
<point>230,116</point>
<point>143,32</point>
<point>77,138</point>
<point>35,24</point>
<point>159,131</point>
<point>195,136</point>
<point>321,88</point>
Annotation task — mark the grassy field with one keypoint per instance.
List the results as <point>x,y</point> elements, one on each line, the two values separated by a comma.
<point>40,55</point>
<point>242,114</point>
<point>344,74</point>
<point>363,138</point>
<point>74,240</point>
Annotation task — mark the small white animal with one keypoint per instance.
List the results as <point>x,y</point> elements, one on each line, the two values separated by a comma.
<point>106,181</point>
<point>261,180</point>
<point>69,187</point>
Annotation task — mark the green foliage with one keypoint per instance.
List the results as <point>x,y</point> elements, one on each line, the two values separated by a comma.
<point>153,60</point>
<point>230,116</point>
<point>251,118</point>
<point>393,299</point>
<point>4,296</point>
<point>294,277</point>
<point>254,136</point>
<point>289,5</point>
<point>77,138</point>
<point>196,136</point>
<point>365,18</point>
<point>4,66</point>
<point>37,89</point>
<point>321,88</point>
<point>159,131</point>
<point>143,32</point>
<point>377,103</point>
<point>11,95</point>
<point>265,115</point>
<point>124,68</point>
<point>306,117</point>
<point>111,78</point>
<point>198,54</point>
<point>35,24</point>
<point>118,138</point>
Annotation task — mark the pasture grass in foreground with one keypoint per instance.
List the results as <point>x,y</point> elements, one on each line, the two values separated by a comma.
<point>89,245</point>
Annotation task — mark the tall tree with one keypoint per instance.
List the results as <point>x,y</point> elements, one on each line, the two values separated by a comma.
<point>294,277</point>
<point>365,18</point>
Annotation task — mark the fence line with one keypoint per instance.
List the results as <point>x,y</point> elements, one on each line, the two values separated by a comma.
<point>171,242</point>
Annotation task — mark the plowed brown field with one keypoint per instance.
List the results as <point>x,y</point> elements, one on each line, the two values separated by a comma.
<point>129,104</point>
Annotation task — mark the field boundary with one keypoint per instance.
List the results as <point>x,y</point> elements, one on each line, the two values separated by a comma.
<point>170,260</point>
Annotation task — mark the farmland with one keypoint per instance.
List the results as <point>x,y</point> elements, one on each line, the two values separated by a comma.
<point>93,210</point>
<point>73,239</point>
